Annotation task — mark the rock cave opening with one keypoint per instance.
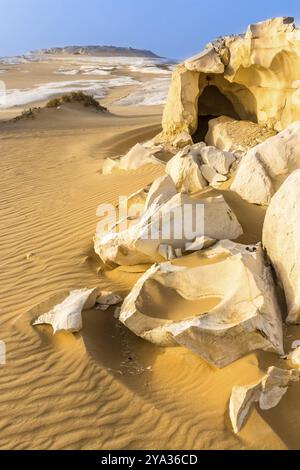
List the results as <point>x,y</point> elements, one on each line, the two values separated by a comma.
<point>212,103</point>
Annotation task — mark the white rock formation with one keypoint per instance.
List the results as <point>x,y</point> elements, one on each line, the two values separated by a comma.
<point>184,169</point>
<point>294,358</point>
<point>281,239</point>
<point>211,175</point>
<point>234,136</point>
<point>135,158</point>
<point>267,393</point>
<point>246,318</point>
<point>217,159</point>
<point>174,221</point>
<point>161,190</point>
<point>207,61</point>
<point>66,316</point>
<point>106,299</point>
<point>267,165</point>
<point>252,77</point>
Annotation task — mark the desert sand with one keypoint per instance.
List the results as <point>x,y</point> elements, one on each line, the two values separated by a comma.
<point>103,388</point>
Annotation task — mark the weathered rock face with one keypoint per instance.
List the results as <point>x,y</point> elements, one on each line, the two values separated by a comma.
<point>252,77</point>
<point>267,393</point>
<point>137,156</point>
<point>282,241</point>
<point>169,224</point>
<point>246,318</point>
<point>267,165</point>
<point>235,136</point>
<point>194,166</point>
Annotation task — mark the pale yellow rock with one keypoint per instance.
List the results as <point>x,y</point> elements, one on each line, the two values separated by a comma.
<point>234,136</point>
<point>172,220</point>
<point>207,61</point>
<point>138,156</point>
<point>294,357</point>
<point>281,239</point>
<point>265,166</point>
<point>66,316</point>
<point>246,318</point>
<point>260,82</point>
<point>267,392</point>
<point>184,169</point>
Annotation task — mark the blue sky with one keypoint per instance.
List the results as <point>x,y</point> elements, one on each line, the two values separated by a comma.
<point>171,28</point>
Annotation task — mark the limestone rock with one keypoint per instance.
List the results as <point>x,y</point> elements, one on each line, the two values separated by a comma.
<point>165,222</point>
<point>162,189</point>
<point>266,166</point>
<point>236,137</point>
<point>135,158</point>
<point>184,169</point>
<point>270,27</point>
<point>246,318</point>
<point>267,392</point>
<point>106,299</point>
<point>211,175</point>
<point>207,61</point>
<point>294,358</point>
<point>66,316</point>
<point>217,159</point>
<point>282,242</point>
<point>252,77</point>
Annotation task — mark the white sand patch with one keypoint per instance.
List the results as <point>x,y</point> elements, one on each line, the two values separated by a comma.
<point>98,88</point>
<point>153,69</point>
<point>150,93</point>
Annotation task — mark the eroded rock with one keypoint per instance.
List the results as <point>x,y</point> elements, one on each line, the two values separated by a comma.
<point>168,221</point>
<point>267,393</point>
<point>263,169</point>
<point>235,136</point>
<point>138,156</point>
<point>66,316</point>
<point>184,169</point>
<point>246,318</point>
<point>252,77</point>
<point>281,239</point>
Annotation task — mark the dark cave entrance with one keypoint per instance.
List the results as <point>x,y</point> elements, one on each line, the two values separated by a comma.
<point>211,104</point>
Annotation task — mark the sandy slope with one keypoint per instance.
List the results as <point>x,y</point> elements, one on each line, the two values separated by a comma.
<point>104,388</point>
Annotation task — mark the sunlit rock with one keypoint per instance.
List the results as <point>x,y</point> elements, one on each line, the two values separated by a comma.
<point>245,318</point>
<point>263,169</point>
<point>168,220</point>
<point>267,393</point>
<point>135,158</point>
<point>66,316</point>
<point>281,239</point>
<point>251,77</point>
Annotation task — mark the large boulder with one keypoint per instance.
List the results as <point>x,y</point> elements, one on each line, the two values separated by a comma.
<point>245,317</point>
<point>265,166</point>
<point>281,239</point>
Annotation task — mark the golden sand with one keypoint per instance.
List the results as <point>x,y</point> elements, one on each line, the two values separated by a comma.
<point>103,388</point>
